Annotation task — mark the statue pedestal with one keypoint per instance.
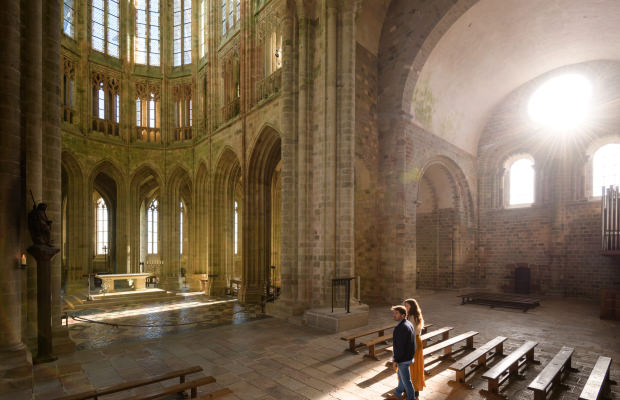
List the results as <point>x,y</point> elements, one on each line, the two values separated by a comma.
<point>44,254</point>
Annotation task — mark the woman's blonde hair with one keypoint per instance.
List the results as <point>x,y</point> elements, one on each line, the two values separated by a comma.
<point>415,312</point>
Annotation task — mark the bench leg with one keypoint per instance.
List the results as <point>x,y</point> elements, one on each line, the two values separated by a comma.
<point>194,393</point>
<point>470,342</point>
<point>460,376</point>
<point>540,395</point>
<point>371,351</point>
<point>447,351</point>
<point>499,349</point>
<point>352,346</point>
<point>493,386</point>
<point>445,335</point>
<point>482,361</point>
<point>182,379</point>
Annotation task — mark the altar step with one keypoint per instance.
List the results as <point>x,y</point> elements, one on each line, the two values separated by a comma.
<point>73,302</point>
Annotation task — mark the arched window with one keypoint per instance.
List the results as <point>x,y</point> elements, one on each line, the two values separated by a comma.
<point>182,27</point>
<point>67,26</point>
<point>105,26</point>
<point>147,32</point>
<point>231,15</point>
<point>151,227</point>
<point>605,167</point>
<point>181,208</point>
<point>236,228</point>
<point>102,242</point>
<point>521,181</point>
<point>202,33</point>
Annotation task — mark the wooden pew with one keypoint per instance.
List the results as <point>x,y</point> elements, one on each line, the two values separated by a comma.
<point>479,357</point>
<point>174,389</point>
<point>446,345</point>
<point>352,337</point>
<point>218,394</point>
<point>509,366</point>
<point>444,332</point>
<point>93,394</point>
<point>371,344</point>
<point>380,331</point>
<point>551,374</point>
<point>597,386</point>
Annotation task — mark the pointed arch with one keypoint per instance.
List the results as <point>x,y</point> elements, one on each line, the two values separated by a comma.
<point>264,158</point>
<point>226,178</point>
<point>73,254</point>
<point>179,198</point>
<point>145,186</point>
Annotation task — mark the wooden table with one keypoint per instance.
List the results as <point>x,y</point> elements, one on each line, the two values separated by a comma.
<point>108,280</point>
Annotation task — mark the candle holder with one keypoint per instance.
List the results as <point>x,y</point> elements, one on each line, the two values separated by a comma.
<point>23,264</point>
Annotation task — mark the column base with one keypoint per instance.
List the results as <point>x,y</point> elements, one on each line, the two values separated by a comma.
<point>62,343</point>
<point>284,309</point>
<point>251,294</point>
<point>16,374</point>
<point>338,320</point>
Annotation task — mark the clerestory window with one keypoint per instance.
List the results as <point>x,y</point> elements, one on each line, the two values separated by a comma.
<point>605,168</point>
<point>67,23</point>
<point>147,32</point>
<point>182,33</point>
<point>521,181</point>
<point>105,27</point>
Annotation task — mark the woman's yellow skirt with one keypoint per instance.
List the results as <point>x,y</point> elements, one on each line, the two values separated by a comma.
<point>417,368</point>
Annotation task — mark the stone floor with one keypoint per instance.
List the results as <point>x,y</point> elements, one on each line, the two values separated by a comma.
<point>269,358</point>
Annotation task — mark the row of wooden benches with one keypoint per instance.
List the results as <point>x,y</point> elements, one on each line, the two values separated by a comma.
<point>180,388</point>
<point>596,386</point>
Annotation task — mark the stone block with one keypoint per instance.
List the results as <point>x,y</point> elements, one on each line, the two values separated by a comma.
<point>338,320</point>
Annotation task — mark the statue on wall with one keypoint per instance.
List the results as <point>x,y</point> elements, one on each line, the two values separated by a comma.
<point>39,225</point>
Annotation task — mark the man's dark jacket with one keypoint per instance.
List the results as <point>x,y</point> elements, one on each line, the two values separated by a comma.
<point>404,341</point>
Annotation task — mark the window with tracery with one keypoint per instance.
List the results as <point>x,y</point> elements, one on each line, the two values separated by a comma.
<point>105,26</point>
<point>67,89</point>
<point>231,15</point>
<point>521,181</point>
<point>147,32</point>
<point>181,210</point>
<point>102,230</point>
<point>605,168</point>
<point>105,104</point>
<point>236,228</point>
<point>148,106</point>
<point>182,33</point>
<point>67,23</point>
<point>152,215</point>
<point>202,30</point>
<point>231,92</point>
<point>182,95</point>
<point>270,40</point>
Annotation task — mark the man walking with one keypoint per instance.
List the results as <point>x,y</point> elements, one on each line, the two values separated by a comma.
<point>404,350</point>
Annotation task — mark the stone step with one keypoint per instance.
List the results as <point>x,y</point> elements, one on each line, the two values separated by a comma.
<point>124,298</point>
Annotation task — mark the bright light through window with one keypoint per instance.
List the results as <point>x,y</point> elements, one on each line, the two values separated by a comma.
<point>606,168</point>
<point>522,182</point>
<point>561,102</point>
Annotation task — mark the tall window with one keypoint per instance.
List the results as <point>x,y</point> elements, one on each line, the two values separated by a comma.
<point>182,112</point>
<point>180,227</point>
<point>68,79</point>
<point>151,227</point>
<point>231,15</point>
<point>182,25</point>
<point>67,26</point>
<point>105,27</point>
<point>606,168</point>
<point>102,227</point>
<point>236,229</point>
<point>202,32</point>
<point>147,32</point>
<point>521,178</point>
<point>148,120</point>
<point>105,104</point>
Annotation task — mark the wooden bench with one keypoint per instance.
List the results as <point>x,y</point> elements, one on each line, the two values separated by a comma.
<point>598,382</point>
<point>371,344</point>
<point>93,394</point>
<point>551,374</point>
<point>479,357</point>
<point>354,336</point>
<point>216,395</point>
<point>509,366</point>
<point>444,332</point>
<point>380,331</point>
<point>500,300</point>
<point>192,386</point>
<point>446,345</point>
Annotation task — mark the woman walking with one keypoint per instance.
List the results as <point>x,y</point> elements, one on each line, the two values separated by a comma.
<point>414,315</point>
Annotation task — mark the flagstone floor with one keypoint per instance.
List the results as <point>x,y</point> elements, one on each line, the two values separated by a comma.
<point>260,357</point>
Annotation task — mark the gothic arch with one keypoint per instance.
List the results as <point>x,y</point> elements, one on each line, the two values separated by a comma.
<point>264,159</point>
<point>226,179</point>
<point>179,190</point>
<point>74,256</point>
<point>201,227</point>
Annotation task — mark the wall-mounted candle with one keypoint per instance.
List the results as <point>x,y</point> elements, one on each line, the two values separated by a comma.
<point>24,259</point>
